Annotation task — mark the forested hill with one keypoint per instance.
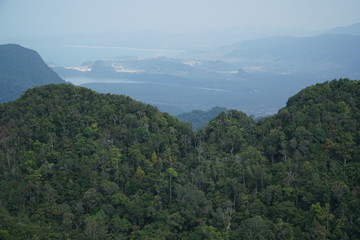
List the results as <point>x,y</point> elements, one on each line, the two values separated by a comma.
<point>199,118</point>
<point>75,164</point>
<point>21,69</point>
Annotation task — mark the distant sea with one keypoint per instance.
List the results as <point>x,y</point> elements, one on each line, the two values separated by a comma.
<point>84,80</point>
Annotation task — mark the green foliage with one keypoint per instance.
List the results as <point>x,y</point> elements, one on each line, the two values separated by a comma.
<point>75,164</point>
<point>199,118</point>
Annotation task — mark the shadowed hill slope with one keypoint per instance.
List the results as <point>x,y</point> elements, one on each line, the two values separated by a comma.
<point>21,69</point>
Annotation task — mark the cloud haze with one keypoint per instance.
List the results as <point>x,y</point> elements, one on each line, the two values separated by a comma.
<point>49,17</point>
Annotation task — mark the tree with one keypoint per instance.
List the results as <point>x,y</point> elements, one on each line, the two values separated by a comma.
<point>172,173</point>
<point>255,228</point>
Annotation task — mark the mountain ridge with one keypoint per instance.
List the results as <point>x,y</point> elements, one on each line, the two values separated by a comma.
<point>104,166</point>
<point>353,29</point>
<point>22,68</point>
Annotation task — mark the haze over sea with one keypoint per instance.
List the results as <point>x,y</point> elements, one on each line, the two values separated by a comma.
<point>229,66</point>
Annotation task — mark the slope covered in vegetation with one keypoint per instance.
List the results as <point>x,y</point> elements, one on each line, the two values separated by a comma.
<point>199,118</point>
<point>75,164</point>
<point>21,69</point>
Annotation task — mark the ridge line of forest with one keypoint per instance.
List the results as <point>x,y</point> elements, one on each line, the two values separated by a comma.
<point>76,164</point>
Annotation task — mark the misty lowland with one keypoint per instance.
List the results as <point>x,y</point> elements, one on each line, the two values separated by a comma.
<point>219,133</point>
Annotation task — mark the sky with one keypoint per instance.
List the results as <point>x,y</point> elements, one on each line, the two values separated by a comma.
<point>54,17</point>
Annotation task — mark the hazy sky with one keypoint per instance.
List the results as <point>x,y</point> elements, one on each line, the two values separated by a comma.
<point>49,17</point>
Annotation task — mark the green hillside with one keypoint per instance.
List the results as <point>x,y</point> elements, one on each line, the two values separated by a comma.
<point>75,164</point>
<point>199,118</point>
<point>21,69</point>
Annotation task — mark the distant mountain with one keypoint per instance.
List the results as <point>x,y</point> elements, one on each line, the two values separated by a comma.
<point>199,118</point>
<point>352,29</point>
<point>20,69</point>
<point>328,54</point>
<point>323,47</point>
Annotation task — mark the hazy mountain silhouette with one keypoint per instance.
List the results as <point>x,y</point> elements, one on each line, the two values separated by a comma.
<point>20,69</point>
<point>352,29</point>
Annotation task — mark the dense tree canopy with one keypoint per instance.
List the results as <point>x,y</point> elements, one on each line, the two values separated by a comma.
<point>199,118</point>
<point>75,164</point>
